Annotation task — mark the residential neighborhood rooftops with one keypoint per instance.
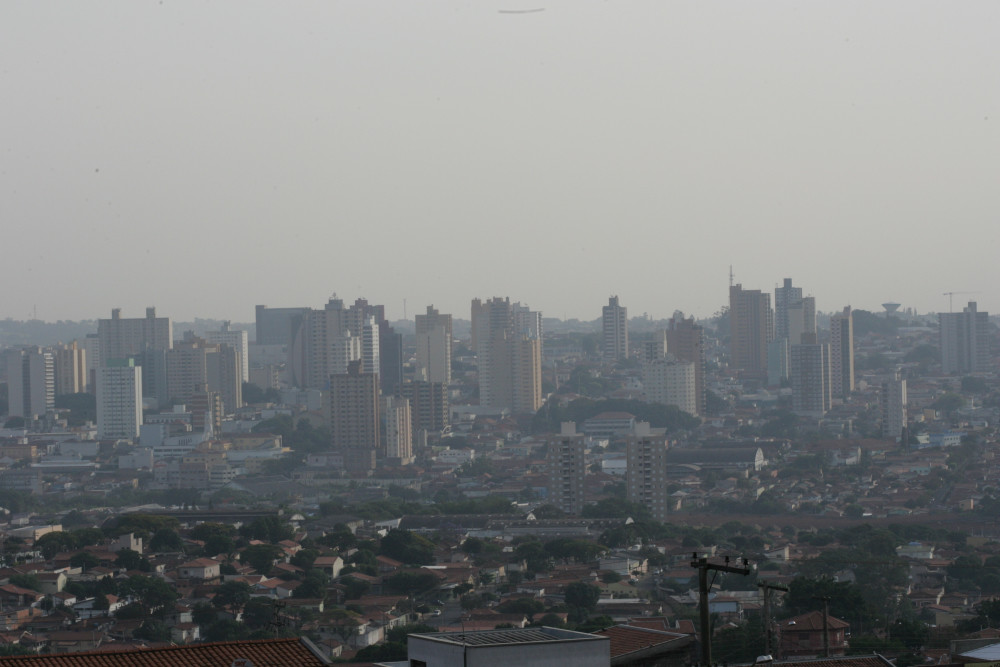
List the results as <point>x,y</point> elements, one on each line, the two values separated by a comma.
<point>272,652</point>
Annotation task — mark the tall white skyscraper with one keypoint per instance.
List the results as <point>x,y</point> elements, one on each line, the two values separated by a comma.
<point>614,327</point>
<point>894,414</point>
<point>670,382</point>
<point>119,400</point>
<point>842,353</point>
<point>434,337</point>
<point>397,429</point>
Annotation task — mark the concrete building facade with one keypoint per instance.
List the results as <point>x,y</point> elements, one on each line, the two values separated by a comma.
<point>119,400</point>
<point>614,330</point>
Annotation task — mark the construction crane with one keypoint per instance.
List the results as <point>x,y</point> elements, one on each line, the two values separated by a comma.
<point>950,296</point>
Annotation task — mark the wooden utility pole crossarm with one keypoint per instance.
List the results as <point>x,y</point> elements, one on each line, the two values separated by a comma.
<point>704,586</point>
<point>767,587</point>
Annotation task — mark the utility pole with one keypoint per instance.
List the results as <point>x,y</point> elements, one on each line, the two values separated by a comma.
<point>767,588</point>
<point>704,586</point>
<point>826,623</point>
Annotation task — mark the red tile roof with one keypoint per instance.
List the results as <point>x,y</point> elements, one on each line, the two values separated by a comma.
<point>627,639</point>
<point>262,653</point>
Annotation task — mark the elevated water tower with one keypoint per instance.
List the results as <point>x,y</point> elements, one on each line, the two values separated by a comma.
<point>890,309</point>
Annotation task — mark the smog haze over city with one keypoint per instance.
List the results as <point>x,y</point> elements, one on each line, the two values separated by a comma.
<point>209,156</point>
<point>636,333</point>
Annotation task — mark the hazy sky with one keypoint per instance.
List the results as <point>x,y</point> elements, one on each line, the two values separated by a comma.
<point>204,157</point>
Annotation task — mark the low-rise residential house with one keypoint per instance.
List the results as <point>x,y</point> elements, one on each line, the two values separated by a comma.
<point>802,635</point>
<point>201,568</point>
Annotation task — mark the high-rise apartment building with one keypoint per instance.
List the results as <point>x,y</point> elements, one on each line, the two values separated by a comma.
<point>802,321</point>
<point>316,351</point>
<point>145,339</point>
<point>277,326</point>
<point>31,382</point>
<point>119,400</point>
<point>428,407</point>
<point>686,341</point>
<point>810,376</point>
<point>397,430</point>
<point>668,381</point>
<point>965,341</point>
<point>121,338</point>
<point>509,355</point>
<point>646,470</point>
<point>751,329</point>
<point>614,328</point>
<point>206,408</point>
<point>785,296</point>
<point>354,417</point>
<point>526,375</point>
<point>434,338</point>
<point>842,353</point>
<point>567,469</point>
<point>239,341</point>
<point>70,368</point>
<point>311,353</point>
<point>654,348</point>
<point>390,352</point>
<point>194,362</point>
<point>893,404</point>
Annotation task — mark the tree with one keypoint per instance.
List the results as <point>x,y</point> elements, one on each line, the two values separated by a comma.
<point>232,596</point>
<point>28,581</point>
<point>259,613</point>
<point>268,529</point>
<point>152,594</point>
<point>226,630</point>
<point>85,560</point>
<point>166,540</point>
<point>143,525</point>
<point>204,614</point>
<point>313,586</point>
<point>412,583</point>
<point>132,560</point>
<point>581,595</point>
<point>407,547</point>
<point>52,543</point>
<point>261,557</point>
<point>153,630</point>
<point>948,402</point>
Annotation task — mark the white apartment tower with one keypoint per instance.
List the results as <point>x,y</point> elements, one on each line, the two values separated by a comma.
<point>614,325</point>
<point>397,429</point>
<point>894,415</point>
<point>842,353</point>
<point>119,400</point>
<point>670,382</point>
<point>646,470</point>
<point>567,469</point>
<point>434,336</point>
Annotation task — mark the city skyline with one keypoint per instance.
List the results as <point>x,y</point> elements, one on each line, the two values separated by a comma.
<point>153,150</point>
